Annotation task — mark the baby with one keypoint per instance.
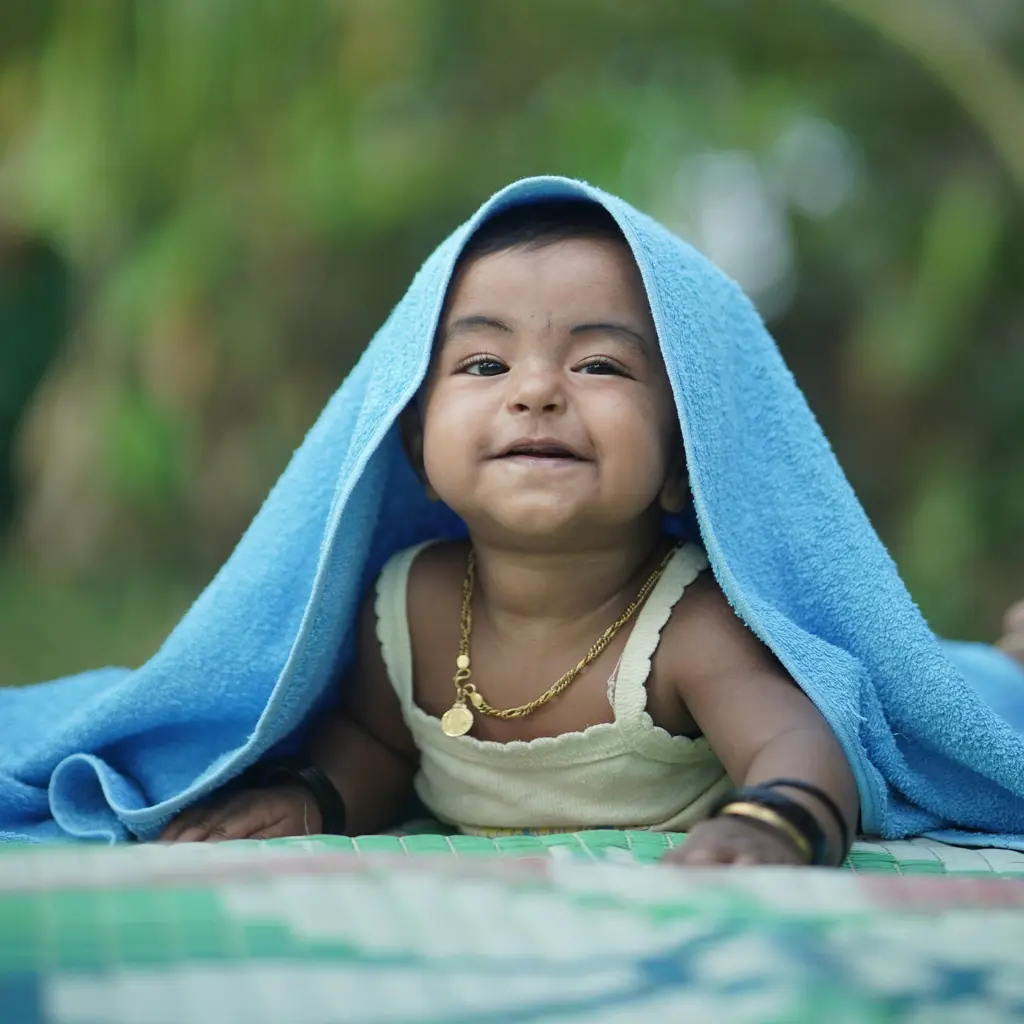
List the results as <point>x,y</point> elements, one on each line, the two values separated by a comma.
<point>571,664</point>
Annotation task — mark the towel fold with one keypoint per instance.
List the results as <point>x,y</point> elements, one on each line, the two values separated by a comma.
<point>933,730</point>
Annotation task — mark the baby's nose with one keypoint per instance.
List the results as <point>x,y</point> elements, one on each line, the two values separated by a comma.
<point>536,386</point>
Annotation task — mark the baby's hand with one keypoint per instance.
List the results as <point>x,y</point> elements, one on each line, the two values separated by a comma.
<point>247,814</point>
<point>733,840</point>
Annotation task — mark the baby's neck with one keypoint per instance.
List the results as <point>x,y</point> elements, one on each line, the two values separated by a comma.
<point>522,591</point>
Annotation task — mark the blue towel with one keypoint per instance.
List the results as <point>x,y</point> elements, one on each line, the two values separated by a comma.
<point>933,731</point>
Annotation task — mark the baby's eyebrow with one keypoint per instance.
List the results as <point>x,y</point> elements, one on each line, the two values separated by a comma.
<point>467,324</point>
<point>627,334</point>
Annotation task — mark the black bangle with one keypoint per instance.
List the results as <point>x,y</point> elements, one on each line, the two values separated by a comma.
<point>796,814</point>
<point>824,799</point>
<point>285,770</point>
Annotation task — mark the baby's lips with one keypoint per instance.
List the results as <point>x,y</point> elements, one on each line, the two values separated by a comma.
<point>552,447</point>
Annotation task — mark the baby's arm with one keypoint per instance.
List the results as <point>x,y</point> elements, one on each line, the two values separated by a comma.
<point>760,724</point>
<point>363,747</point>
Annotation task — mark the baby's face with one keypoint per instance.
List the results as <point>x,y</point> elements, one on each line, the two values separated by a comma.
<point>548,415</point>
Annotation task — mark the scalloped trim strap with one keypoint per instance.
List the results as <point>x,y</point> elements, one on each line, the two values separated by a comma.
<point>391,609</point>
<point>630,696</point>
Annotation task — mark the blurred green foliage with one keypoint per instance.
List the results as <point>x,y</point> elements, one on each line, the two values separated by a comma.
<point>209,207</point>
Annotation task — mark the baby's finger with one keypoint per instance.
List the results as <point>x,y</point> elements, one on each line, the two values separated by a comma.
<point>241,821</point>
<point>186,820</point>
<point>697,858</point>
<point>197,832</point>
<point>171,831</point>
<point>201,826</point>
<point>705,856</point>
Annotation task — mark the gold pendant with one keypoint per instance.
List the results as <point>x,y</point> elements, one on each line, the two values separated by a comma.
<point>457,720</point>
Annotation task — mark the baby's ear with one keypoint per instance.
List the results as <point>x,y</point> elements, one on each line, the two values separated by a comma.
<point>410,429</point>
<point>675,492</point>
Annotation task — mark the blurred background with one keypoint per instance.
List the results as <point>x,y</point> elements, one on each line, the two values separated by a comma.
<point>208,206</point>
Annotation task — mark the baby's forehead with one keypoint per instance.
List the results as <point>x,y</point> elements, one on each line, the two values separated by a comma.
<point>499,307</point>
<point>572,276</point>
<point>551,232</point>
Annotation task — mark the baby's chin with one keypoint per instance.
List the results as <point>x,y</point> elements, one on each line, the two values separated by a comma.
<point>553,529</point>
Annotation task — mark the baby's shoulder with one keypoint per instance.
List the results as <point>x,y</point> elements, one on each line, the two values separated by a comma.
<point>701,617</point>
<point>705,636</point>
<point>704,595</point>
<point>702,606</point>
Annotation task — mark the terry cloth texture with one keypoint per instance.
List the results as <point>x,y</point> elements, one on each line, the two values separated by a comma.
<point>933,733</point>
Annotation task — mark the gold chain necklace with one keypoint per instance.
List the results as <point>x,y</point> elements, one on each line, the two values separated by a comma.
<point>458,719</point>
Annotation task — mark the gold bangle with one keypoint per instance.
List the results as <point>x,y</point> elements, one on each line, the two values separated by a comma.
<point>743,809</point>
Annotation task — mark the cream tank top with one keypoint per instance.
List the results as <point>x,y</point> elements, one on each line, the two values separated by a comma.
<point>628,773</point>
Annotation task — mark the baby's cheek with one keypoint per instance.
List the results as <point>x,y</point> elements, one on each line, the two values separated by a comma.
<point>637,472</point>
<point>453,458</point>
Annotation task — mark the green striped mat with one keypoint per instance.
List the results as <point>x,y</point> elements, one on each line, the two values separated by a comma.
<point>433,929</point>
<point>908,857</point>
<point>899,857</point>
<point>867,856</point>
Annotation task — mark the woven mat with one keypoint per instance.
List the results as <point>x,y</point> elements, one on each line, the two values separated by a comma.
<point>551,928</point>
<point>914,857</point>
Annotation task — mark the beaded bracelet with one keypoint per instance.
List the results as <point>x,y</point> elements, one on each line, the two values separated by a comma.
<point>796,816</point>
<point>292,770</point>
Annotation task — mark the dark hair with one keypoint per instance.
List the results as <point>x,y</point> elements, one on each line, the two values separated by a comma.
<point>536,225</point>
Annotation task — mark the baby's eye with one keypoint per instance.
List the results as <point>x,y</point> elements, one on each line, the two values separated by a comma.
<point>602,367</point>
<point>482,366</point>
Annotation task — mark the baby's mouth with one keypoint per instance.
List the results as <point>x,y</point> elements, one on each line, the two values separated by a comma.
<point>540,449</point>
<point>539,452</point>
